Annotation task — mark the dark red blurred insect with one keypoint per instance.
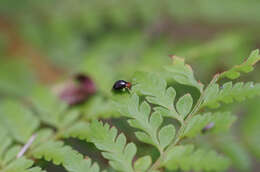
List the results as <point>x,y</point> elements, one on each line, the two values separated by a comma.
<point>121,84</point>
<point>79,91</point>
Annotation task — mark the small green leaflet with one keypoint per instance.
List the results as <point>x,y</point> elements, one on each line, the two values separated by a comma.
<point>184,105</point>
<point>21,165</point>
<point>148,84</point>
<point>58,153</point>
<point>229,92</point>
<point>245,67</point>
<point>18,120</point>
<point>149,123</point>
<point>114,146</point>
<point>221,120</point>
<point>186,158</point>
<point>155,89</point>
<point>183,73</point>
<point>143,163</point>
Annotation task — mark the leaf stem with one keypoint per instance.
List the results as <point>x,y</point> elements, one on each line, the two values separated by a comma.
<point>179,136</point>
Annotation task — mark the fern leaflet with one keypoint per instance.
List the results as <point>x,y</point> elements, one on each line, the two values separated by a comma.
<point>229,92</point>
<point>186,158</point>
<point>183,73</point>
<point>245,67</point>
<point>221,121</point>
<point>65,155</point>
<point>114,146</point>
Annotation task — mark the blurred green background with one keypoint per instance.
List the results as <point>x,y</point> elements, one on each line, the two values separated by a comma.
<point>44,42</point>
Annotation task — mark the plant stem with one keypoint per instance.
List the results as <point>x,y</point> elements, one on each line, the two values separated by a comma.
<point>179,136</point>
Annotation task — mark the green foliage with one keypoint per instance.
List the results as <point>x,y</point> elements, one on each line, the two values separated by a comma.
<point>142,118</point>
<point>21,74</point>
<point>160,116</point>
<point>236,151</point>
<point>250,128</point>
<point>114,146</point>
<point>229,92</point>
<point>14,117</point>
<point>186,158</point>
<point>47,105</point>
<point>60,154</point>
<point>154,87</point>
<point>143,163</point>
<point>221,121</point>
<point>18,123</point>
<point>110,41</point>
<point>184,105</point>
<point>245,67</point>
<point>22,165</point>
<point>183,73</point>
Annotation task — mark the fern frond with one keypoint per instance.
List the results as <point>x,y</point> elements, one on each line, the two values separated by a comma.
<point>229,92</point>
<point>114,146</point>
<point>186,158</point>
<point>149,124</point>
<point>21,165</point>
<point>79,130</point>
<point>245,67</point>
<point>155,89</point>
<point>58,153</point>
<point>221,121</point>
<point>184,105</point>
<point>183,73</point>
<point>99,107</point>
<point>18,120</point>
<point>143,163</point>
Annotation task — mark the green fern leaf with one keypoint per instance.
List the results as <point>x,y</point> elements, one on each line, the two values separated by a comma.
<point>221,121</point>
<point>79,130</point>
<point>149,124</point>
<point>58,153</point>
<point>114,146</point>
<point>156,91</point>
<point>143,163</point>
<point>166,135</point>
<point>184,105</point>
<point>11,154</point>
<point>229,92</point>
<point>245,67</point>
<point>42,136</point>
<point>19,121</point>
<point>183,73</point>
<point>99,107</point>
<point>149,84</point>
<point>21,165</point>
<point>184,157</point>
<point>236,151</point>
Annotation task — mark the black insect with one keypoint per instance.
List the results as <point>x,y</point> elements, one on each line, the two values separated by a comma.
<point>121,84</point>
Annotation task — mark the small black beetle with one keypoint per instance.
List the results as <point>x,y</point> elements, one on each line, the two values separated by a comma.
<point>121,84</point>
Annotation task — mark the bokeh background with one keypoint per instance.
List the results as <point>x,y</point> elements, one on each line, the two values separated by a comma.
<point>44,42</point>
